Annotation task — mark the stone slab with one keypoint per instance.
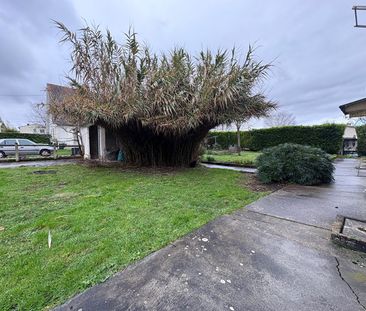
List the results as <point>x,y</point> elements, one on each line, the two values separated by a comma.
<point>355,229</point>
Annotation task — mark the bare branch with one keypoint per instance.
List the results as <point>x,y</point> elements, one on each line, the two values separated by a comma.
<point>280,119</point>
<point>39,114</point>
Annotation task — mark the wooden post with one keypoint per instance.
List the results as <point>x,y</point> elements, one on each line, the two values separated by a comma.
<point>54,151</point>
<point>16,152</point>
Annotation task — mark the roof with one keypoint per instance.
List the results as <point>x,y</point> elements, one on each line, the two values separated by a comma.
<point>58,92</point>
<point>356,108</point>
<point>350,132</point>
<point>32,124</point>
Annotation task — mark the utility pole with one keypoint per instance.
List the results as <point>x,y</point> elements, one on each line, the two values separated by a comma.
<point>358,9</point>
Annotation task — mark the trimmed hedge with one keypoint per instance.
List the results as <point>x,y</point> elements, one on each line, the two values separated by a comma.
<point>327,137</point>
<point>295,163</point>
<point>361,140</point>
<point>37,138</point>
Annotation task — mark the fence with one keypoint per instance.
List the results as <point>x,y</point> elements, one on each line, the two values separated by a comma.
<point>18,152</point>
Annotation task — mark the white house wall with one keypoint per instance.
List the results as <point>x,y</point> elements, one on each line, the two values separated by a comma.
<point>101,143</point>
<point>84,132</point>
<point>350,132</point>
<point>63,134</point>
<point>32,129</point>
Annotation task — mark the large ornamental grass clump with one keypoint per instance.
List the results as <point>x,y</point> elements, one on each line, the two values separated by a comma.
<point>160,106</point>
<point>295,164</point>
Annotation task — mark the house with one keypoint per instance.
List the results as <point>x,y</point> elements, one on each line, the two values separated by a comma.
<point>61,131</point>
<point>33,128</point>
<point>353,109</point>
<point>349,140</point>
<point>356,108</point>
<point>97,142</point>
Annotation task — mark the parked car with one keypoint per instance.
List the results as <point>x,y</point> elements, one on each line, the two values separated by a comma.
<point>25,147</point>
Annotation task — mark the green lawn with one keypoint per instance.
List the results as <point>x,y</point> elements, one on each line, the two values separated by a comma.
<point>64,152</point>
<point>101,220</point>
<point>245,158</point>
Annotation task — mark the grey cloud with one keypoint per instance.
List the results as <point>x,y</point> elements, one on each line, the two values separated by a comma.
<point>29,54</point>
<point>318,55</point>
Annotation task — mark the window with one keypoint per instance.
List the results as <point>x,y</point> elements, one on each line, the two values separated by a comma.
<point>41,131</point>
<point>10,142</point>
<point>25,142</point>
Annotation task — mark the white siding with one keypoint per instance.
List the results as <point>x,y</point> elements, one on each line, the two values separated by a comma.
<point>84,132</point>
<point>101,143</point>
<point>32,129</point>
<point>63,134</point>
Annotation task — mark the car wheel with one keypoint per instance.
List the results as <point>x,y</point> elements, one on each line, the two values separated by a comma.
<point>45,153</point>
<point>2,155</point>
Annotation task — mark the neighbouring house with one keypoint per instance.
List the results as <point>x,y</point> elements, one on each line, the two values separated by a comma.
<point>354,109</point>
<point>61,131</point>
<point>33,128</point>
<point>97,142</point>
<point>349,140</point>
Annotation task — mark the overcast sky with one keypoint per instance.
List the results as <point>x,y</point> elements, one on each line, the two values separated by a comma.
<point>319,57</point>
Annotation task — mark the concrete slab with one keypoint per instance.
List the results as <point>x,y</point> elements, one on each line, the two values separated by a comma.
<point>248,262</point>
<point>349,233</point>
<point>355,229</point>
<point>319,206</point>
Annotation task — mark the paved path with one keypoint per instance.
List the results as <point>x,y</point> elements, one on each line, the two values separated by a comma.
<point>252,260</point>
<point>319,205</point>
<point>233,168</point>
<point>37,163</point>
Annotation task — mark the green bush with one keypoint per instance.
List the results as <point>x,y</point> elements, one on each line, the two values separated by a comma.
<point>37,138</point>
<point>295,163</point>
<point>361,140</point>
<point>327,137</point>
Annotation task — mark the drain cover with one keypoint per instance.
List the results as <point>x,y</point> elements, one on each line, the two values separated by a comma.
<point>350,233</point>
<point>45,172</point>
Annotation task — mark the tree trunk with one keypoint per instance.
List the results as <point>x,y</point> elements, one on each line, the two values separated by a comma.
<point>238,139</point>
<point>143,147</point>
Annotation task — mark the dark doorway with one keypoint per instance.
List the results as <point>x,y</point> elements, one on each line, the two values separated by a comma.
<point>111,140</point>
<point>93,142</point>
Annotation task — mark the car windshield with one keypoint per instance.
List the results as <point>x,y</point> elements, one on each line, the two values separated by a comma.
<point>25,142</point>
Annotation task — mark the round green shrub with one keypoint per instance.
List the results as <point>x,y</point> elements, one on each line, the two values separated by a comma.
<point>296,164</point>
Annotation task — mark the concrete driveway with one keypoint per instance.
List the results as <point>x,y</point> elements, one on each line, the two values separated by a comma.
<point>274,255</point>
<point>319,206</point>
<point>37,163</point>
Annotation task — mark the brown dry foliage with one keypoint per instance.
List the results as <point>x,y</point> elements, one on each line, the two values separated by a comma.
<point>173,93</point>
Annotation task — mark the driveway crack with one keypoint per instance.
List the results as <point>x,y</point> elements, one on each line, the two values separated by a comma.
<point>350,287</point>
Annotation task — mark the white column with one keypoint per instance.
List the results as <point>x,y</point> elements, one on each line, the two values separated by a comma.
<point>101,143</point>
<point>84,132</point>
